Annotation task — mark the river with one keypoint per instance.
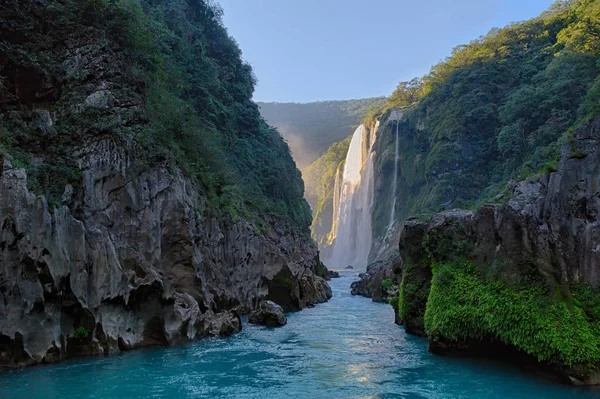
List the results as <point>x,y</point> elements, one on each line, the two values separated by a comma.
<point>346,348</point>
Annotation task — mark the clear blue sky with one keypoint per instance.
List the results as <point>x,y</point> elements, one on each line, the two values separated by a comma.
<point>309,50</point>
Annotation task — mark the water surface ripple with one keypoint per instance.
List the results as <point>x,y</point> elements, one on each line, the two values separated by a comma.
<point>347,348</point>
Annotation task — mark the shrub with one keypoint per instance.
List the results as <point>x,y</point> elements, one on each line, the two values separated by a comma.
<point>386,284</point>
<point>81,332</point>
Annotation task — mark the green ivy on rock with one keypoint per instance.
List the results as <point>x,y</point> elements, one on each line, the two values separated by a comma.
<point>464,306</point>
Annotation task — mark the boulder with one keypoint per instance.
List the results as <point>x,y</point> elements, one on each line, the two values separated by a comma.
<point>333,274</point>
<point>268,314</point>
<point>378,282</point>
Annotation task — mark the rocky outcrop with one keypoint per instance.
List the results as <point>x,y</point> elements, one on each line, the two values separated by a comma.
<point>269,314</point>
<point>541,246</point>
<point>362,286</point>
<point>138,263</point>
<point>332,274</point>
<point>379,282</point>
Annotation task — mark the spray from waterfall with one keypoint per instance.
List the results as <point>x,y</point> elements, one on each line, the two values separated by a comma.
<point>394,183</point>
<point>352,233</point>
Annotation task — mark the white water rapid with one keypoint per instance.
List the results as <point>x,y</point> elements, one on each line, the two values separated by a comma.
<point>352,233</point>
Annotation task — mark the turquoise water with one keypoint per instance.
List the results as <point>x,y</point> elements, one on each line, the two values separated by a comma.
<point>347,348</point>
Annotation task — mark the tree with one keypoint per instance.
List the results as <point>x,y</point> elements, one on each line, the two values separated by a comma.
<point>407,94</point>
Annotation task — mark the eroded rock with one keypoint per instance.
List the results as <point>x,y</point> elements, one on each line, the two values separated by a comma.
<point>269,314</point>
<point>136,265</point>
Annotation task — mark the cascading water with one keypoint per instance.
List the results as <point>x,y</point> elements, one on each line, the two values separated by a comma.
<point>339,176</point>
<point>352,233</point>
<point>394,184</point>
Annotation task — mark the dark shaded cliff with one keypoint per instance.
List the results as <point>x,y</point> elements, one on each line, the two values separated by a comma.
<point>143,200</point>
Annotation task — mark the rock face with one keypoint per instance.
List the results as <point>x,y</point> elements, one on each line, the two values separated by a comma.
<point>122,251</point>
<point>269,314</point>
<point>546,235</point>
<point>137,265</point>
<point>379,282</point>
<point>332,274</point>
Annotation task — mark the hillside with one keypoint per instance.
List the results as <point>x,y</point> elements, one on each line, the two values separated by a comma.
<point>499,108</point>
<point>319,179</point>
<point>144,200</point>
<point>509,120</point>
<point>311,128</point>
<point>197,115</point>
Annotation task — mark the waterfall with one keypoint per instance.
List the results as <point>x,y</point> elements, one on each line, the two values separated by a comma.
<point>394,183</point>
<point>352,233</point>
<point>339,176</point>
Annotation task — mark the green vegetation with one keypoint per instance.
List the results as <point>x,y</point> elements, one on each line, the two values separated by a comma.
<point>311,128</point>
<point>498,108</point>
<point>287,282</point>
<point>319,178</point>
<point>454,294</point>
<point>407,94</point>
<point>81,332</point>
<point>183,70</point>
<point>464,306</point>
<point>321,270</point>
<point>386,284</point>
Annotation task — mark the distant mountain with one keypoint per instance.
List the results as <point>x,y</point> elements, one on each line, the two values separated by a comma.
<point>311,128</point>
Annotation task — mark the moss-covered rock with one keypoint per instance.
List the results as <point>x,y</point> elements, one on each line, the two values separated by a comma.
<point>523,276</point>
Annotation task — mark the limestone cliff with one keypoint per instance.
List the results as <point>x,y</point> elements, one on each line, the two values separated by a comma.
<point>497,109</point>
<point>138,265</point>
<point>143,201</point>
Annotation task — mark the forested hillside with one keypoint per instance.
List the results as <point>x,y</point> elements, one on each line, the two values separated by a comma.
<point>197,113</point>
<point>311,128</point>
<point>499,108</point>
<point>319,178</point>
<point>510,119</point>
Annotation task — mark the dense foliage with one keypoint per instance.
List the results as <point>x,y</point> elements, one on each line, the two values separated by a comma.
<point>407,94</point>
<point>463,306</point>
<point>179,63</point>
<point>81,332</point>
<point>459,298</point>
<point>498,108</point>
<point>312,127</point>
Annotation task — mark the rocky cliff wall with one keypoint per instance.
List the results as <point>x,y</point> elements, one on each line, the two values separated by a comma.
<point>138,264</point>
<point>523,276</point>
<point>138,182</point>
